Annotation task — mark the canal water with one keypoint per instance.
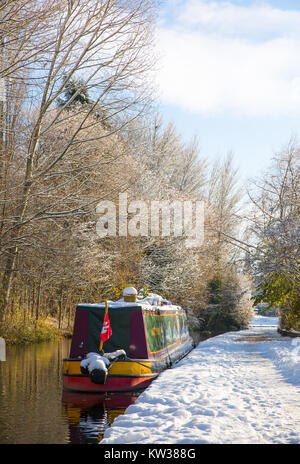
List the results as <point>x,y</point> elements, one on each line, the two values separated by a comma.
<point>34,409</point>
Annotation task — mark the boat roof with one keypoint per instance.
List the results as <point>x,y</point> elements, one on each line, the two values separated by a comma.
<point>128,305</point>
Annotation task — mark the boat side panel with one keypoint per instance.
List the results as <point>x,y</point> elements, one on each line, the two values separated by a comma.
<point>79,345</point>
<point>138,343</point>
<point>181,349</point>
<point>161,335</point>
<point>165,330</point>
<point>167,335</point>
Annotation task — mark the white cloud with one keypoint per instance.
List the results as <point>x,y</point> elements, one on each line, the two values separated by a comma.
<point>212,61</point>
<point>229,18</point>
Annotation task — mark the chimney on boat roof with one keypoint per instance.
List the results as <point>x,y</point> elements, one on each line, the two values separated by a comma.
<point>130,294</point>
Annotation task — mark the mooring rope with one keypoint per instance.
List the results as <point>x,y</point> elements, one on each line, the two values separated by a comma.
<point>138,362</point>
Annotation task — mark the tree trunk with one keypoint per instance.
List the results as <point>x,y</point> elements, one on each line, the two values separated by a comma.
<point>6,282</point>
<point>60,309</point>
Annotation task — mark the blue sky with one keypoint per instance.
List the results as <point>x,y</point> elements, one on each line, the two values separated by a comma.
<point>229,73</point>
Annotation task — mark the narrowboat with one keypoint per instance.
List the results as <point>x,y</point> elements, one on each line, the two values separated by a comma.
<point>124,345</point>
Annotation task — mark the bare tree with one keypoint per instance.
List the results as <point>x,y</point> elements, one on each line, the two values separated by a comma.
<point>107,44</point>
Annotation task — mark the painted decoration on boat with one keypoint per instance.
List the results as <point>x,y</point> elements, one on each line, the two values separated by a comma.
<point>164,330</point>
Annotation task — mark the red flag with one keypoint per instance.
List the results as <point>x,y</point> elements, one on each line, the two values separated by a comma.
<point>106,331</point>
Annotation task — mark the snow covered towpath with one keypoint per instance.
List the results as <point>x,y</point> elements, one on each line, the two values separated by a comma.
<point>239,387</point>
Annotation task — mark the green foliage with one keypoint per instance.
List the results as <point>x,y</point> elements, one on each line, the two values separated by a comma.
<point>215,288</point>
<point>76,92</point>
<point>280,291</point>
<point>223,320</point>
<point>275,291</point>
<point>276,259</point>
<point>290,320</point>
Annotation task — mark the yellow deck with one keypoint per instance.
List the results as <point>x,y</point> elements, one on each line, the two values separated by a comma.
<point>72,367</point>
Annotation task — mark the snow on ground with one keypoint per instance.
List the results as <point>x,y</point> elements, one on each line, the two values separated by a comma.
<point>239,387</point>
<point>264,320</point>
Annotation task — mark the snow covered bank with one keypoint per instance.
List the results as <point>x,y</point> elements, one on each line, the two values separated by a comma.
<point>264,321</point>
<point>239,387</point>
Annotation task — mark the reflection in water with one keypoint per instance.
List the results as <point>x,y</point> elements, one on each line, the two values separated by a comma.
<point>30,394</point>
<point>89,415</point>
<point>34,409</point>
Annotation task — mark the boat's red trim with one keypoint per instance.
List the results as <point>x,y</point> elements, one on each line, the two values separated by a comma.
<point>112,384</point>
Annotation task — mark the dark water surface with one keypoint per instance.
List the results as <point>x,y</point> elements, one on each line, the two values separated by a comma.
<point>34,409</point>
